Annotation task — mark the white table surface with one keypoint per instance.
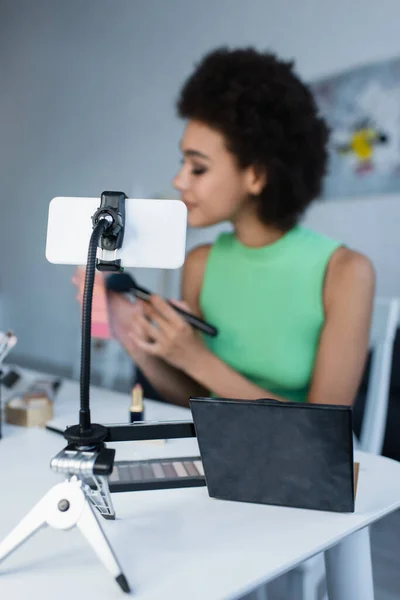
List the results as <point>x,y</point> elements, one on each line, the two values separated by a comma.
<point>172,544</point>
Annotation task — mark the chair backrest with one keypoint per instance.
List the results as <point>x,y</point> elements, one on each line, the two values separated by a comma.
<point>384,324</point>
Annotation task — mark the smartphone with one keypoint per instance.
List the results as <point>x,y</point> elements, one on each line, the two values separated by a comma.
<point>154,237</point>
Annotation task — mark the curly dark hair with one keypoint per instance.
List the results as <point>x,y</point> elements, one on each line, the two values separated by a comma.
<point>269,119</point>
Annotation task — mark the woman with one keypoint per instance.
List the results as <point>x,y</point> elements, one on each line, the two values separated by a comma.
<point>292,307</point>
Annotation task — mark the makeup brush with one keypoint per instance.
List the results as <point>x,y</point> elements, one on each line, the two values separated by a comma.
<point>123,283</point>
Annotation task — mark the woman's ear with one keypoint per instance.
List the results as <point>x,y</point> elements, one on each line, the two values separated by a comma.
<point>256,179</point>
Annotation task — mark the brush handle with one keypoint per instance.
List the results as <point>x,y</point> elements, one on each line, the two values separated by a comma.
<point>194,321</point>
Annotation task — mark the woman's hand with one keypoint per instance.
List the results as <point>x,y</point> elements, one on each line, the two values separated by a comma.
<point>122,314</point>
<point>160,331</point>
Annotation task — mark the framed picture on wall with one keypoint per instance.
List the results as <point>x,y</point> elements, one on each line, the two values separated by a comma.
<point>362,109</point>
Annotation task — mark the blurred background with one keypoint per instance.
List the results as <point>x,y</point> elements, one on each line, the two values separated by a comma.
<point>87,103</point>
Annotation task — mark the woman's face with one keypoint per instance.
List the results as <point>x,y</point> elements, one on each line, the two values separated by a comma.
<point>210,182</point>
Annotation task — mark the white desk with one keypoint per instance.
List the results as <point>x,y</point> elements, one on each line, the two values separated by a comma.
<point>176,544</point>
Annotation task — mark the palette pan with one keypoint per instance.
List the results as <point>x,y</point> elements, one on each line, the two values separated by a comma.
<point>155,474</point>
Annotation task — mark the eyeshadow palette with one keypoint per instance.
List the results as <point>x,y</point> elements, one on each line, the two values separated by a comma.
<point>156,474</point>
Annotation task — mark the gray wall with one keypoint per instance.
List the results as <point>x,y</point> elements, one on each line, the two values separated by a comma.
<point>87,103</point>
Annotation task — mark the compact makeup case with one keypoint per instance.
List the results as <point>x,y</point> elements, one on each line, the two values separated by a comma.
<point>281,453</point>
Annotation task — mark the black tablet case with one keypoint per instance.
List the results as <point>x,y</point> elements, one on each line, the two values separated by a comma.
<point>281,453</point>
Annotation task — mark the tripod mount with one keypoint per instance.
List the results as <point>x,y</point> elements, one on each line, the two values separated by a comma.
<point>85,462</point>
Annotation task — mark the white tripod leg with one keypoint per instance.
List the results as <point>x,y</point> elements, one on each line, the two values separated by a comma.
<point>91,529</point>
<point>63,507</point>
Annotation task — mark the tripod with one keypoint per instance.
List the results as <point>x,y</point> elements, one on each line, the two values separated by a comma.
<point>69,504</point>
<point>86,461</point>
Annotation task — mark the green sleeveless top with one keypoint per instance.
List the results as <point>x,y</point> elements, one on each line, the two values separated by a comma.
<point>267,304</point>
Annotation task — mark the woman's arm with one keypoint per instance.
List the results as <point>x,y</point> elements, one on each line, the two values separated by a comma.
<point>171,383</point>
<point>348,297</point>
<point>343,344</point>
<point>163,333</point>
